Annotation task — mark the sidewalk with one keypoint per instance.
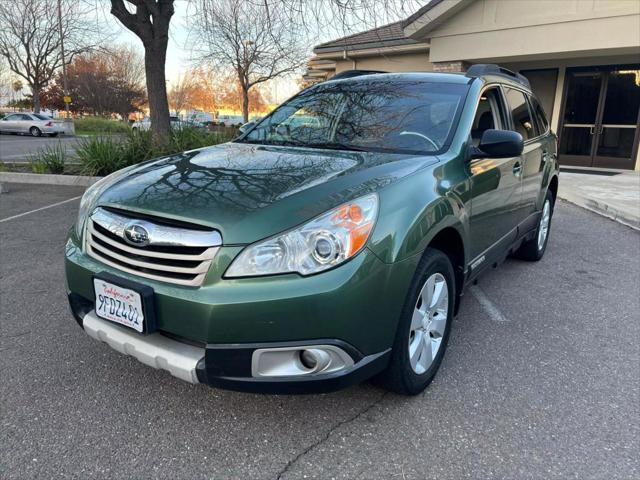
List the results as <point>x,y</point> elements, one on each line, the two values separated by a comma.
<point>616,196</point>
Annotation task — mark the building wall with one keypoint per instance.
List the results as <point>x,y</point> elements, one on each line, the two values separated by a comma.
<point>488,29</point>
<point>408,62</point>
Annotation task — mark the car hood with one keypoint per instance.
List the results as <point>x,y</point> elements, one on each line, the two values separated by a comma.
<point>249,192</point>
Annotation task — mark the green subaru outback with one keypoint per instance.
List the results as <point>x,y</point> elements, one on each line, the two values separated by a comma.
<point>329,243</point>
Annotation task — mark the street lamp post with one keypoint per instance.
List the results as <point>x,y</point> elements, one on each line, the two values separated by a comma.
<point>65,85</point>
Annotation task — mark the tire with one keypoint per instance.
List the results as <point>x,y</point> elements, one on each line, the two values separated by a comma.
<point>403,375</point>
<point>35,132</point>
<point>533,250</point>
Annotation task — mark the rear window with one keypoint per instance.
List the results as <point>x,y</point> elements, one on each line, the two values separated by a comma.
<point>522,121</point>
<point>41,117</point>
<point>541,117</point>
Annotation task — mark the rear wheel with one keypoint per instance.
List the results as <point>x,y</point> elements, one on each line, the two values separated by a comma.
<point>533,249</point>
<point>35,132</point>
<point>423,330</point>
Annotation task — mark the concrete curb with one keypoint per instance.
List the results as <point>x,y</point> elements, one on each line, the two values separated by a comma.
<point>601,208</point>
<point>48,179</point>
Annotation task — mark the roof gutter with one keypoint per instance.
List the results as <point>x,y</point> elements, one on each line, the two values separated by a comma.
<point>354,64</point>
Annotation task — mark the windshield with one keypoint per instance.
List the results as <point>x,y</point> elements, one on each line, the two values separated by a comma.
<point>381,115</point>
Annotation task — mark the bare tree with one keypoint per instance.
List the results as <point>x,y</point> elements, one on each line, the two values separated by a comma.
<point>150,20</point>
<point>30,38</point>
<point>182,93</point>
<point>258,44</point>
<point>5,82</point>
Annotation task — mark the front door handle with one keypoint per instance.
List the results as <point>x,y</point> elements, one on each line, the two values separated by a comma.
<point>517,169</point>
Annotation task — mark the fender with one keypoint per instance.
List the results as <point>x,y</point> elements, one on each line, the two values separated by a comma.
<point>415,212</point>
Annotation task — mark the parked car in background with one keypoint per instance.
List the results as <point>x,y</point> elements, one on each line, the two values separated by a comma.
<point>200,117</point>
<point>230,120</point>
<point>330,243</point>
<point>249,125</point>
<point>34,124</point>
<point>145,123</point>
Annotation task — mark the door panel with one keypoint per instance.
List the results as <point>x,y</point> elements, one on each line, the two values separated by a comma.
<point>524,122</point>
<point>24,124</point>
<point>496,189</point>
<point>496,193</point>
<point>9,124</point>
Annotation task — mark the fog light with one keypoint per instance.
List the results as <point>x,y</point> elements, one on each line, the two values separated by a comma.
<point>315,359</point>
<point>308,359</point>
<point>298,360</point>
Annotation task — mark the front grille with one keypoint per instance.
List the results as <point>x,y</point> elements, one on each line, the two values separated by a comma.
<point>175,255</point>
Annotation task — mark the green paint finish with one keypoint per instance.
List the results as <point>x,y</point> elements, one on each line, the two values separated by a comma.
<point>251,192</point>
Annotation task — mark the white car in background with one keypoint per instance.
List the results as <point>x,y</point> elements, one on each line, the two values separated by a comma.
<point>34,124</point>
<point>230,120</point>
<point>145,123</point>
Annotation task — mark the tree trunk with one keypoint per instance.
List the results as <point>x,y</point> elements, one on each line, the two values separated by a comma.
<point>35,89</point>
<point>154,61</point>
<point>245,103</point>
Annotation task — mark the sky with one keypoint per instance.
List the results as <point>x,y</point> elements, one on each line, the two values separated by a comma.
<point>179,56</point>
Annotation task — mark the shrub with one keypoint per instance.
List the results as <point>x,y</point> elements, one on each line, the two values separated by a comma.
<point>100,155</point>
<point>98,125</point>
<point>103,155</point>
<point>49,160</point>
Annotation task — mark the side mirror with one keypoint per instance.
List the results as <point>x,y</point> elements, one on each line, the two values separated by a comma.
<point>499,144</point>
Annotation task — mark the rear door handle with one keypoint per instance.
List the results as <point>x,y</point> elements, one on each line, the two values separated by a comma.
<point>517,169</point>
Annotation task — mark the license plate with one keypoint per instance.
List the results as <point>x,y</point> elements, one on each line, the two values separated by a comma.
<point>119,304</point>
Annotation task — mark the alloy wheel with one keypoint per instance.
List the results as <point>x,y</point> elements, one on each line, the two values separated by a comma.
<point>543,229</point>
<point>428,323</point>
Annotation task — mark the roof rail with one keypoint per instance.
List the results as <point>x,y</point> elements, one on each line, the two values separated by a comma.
<point>493,69</point>
<point>354,73</point>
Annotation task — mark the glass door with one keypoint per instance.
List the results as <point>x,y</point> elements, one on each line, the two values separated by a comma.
<point>600,123</point>
<point>617,129</point>
<point>580,116</point>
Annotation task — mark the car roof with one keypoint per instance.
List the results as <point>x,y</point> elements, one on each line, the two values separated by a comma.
<point>430,77</point>
<point>491,76</point>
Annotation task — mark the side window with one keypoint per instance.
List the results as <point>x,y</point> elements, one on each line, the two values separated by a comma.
<point>541,117</point>
<point>11,118</point>
<point>24,117</point>
<point>489,115</point>
<point>522,121</point>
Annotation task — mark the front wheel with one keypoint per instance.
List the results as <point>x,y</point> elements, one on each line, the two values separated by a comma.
<point>35,132</point>
<point>424,326</point>
<point>533,249</point>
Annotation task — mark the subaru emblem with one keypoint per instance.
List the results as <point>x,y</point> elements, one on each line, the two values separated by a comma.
<point>135,234</point>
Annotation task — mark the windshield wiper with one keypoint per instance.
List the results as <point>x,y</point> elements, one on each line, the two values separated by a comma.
<point>337,146</point>
<point>274,143</point>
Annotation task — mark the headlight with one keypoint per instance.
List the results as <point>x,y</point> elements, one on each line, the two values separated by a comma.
<point>91,194</point>
<point>318,245</point>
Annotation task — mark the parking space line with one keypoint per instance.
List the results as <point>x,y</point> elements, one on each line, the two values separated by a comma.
<point>487,305</point>
<point>40,209</point>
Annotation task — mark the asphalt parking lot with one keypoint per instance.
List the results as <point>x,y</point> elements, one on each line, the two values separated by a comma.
<point>540,380</point>
<point>18,148</point>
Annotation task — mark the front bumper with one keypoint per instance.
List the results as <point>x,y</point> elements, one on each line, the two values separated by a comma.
<point>225,366</point>
<point>355,307</point>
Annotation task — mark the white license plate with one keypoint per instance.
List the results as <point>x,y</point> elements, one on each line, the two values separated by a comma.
<point>119,304</point>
